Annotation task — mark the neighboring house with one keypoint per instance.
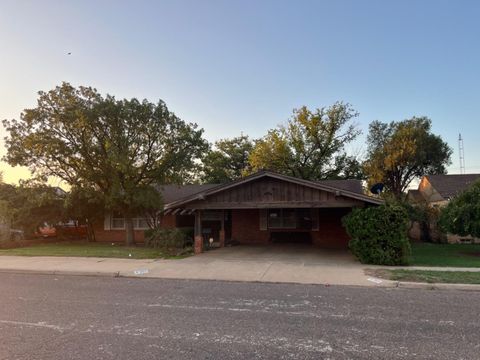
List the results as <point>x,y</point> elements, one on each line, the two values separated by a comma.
<point>436,191</point>
<point>258,209</point>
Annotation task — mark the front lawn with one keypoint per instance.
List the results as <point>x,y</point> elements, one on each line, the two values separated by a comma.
<point>455,255</point>
<point>428,276</point>
<point>106,250</point>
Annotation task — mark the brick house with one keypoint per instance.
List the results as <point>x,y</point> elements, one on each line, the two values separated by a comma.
<point>435,191</point>
<point>261,208</point>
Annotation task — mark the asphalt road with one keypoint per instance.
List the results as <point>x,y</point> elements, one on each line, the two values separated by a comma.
<point>73,317</point>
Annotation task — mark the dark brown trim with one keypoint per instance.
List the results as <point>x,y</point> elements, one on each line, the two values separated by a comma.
<point>338,192</point>
<point>274,205</point>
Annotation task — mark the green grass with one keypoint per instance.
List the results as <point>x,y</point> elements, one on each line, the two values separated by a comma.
<point>428,276</point>
<point>456,255</point>
<point>106,250</point>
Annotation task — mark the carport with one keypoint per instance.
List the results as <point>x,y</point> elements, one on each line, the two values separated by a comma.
<point>283,253</point>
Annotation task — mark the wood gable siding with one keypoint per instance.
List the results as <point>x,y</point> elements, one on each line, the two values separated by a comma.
<point>272,193</point>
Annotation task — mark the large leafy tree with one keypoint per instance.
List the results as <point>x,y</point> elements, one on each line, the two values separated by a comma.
<point>85,205</point>
<point>30,205</point>
<point>311,145</point>
<point>117,147</point>
<point>399,152</point>
<point>228,160</point>
<point>461,216</point>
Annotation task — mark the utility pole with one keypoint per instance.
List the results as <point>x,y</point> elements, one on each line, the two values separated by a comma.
<point>461,154</point>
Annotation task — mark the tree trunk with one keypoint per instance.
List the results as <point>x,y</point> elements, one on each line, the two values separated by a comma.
<point>90,232</point>
<point>130,235</point>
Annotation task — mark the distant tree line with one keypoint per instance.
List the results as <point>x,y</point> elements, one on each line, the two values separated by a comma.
<point>111,152</point>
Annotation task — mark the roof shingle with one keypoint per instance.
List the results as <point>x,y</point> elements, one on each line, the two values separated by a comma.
<point>449,186</point>
<point>172,193</point>
<point>348,185</point>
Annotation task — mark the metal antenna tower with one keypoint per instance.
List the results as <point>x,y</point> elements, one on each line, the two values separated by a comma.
<point>462,154</point>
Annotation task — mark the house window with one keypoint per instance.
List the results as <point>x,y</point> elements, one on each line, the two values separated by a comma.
<point>282,219</point>
<point>140,223</point>
<point>299,219</point>
<point>118,222</point>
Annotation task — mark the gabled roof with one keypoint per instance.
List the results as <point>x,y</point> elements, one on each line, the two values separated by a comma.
<point>171,193</point>
<point>349,185</point>
<point>340,187</point>
<point>449,186</point>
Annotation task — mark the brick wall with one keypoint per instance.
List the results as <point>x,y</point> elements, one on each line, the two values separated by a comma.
<point>331,233</point>
<point>246,227</point>
<point>115,235</point>
<point>167,221</point>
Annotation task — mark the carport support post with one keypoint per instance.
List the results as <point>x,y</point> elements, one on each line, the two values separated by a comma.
<point>222,230</point>
<point>198,238</point>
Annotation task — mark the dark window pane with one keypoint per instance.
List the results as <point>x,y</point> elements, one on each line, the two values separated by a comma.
<point>275,218</point>
<point>289,218</point>
<point>141,223</point>
<point>118,223</point>
<point>282,218</point>
<point>304,219</point>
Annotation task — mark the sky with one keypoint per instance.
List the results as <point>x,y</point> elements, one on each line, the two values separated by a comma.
<point>243,66</point>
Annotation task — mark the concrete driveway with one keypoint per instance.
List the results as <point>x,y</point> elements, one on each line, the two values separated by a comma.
<point>283,253</point>
<point>292,263</point>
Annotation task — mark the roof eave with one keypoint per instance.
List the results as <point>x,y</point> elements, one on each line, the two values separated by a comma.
<point>202,194</point>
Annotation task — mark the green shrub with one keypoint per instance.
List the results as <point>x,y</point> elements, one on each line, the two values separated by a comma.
<point>379,234</point>
<point>462,214</point>
<point>425,216</point>
<point>171,241</point>
<point>189,235</point>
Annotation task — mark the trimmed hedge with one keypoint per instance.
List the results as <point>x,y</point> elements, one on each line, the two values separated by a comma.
<point>379,234</point>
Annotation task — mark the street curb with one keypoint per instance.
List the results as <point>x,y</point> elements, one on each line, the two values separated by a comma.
<point>60,272</point>
<point>429,286</point>
<point>385,283</point>
<point>420,285</point>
